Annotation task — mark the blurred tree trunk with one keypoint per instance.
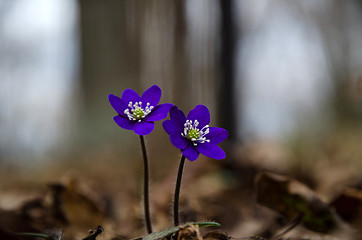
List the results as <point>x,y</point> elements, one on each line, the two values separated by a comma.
<point>110,59</point>
<point>226,98</point>
<point>138,43</point>
<point>179,61</point>
<point>336,33</point>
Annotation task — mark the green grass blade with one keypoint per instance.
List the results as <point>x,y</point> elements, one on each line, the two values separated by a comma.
<point>169,231</point>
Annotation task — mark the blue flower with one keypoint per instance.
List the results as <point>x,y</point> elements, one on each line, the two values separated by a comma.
<point>193,135</point>
<point>139,113</point>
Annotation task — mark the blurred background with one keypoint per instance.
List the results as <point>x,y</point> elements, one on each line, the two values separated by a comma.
<point>283,77</point>
<point>266,70</point>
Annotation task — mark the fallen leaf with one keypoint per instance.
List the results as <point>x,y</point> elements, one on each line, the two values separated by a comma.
<point>292,198</point>
<point>348,206</point>
<point>216,235</point>
<point>190,232</point>
<point>94,233</point>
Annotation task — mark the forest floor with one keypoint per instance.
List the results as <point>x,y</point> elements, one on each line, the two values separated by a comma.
<point>308,190</point>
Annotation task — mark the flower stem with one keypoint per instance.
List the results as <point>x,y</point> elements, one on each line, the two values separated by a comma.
<point>177,192</point>
<point>145,186</point>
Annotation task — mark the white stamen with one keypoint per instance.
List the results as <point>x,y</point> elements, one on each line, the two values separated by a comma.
<point>140,112</point>
<point>193,127</point>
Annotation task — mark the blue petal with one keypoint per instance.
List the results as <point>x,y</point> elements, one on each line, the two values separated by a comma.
<point>210,150</point>
<point>177,116</point>
<point>117,104</point>
<point>178,141</point>
<point>143,128</point>
<point>190,153</point>
<point>129,95</point>
<point>171,127</point>
<point>217,135</point>
<point>123,122</point>
<point>151,95</point>
<point>201,114</point>
<point>159,113</point>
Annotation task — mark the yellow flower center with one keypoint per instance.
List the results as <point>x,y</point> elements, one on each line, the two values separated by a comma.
<point>138,113</point>
<point>193,134</point>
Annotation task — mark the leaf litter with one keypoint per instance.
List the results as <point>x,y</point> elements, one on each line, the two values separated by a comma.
<point>248,202</point>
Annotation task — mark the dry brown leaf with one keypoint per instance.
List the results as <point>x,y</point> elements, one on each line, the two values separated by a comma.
<point>348,206</point>
<point>190,232</point>
<point>216,235</point>
<point>292,198</point>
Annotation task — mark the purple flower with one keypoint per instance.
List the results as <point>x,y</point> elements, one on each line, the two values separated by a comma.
<point>138,113</point>
<point>193,135</point>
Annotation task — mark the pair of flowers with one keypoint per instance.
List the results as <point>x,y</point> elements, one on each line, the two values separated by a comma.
<point>191,134</point>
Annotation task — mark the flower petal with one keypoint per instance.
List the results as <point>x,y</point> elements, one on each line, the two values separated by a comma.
<point>211,150</point>
<point>171,127</point>
<point>200,113</point>
<point>160,112</point>
<point>178,141</point>
<point>117,104</point>
<point>151,95</point>
<point>177,116</point>
<point>217,135</point>
<point>129,95</point>
<point>190,153</point>
<point>123,122</point>
<point>143,128</point>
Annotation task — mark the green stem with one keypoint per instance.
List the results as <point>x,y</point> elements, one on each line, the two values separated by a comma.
<point>145,187</point>
<point>33,235</point>
<point>177,192</point>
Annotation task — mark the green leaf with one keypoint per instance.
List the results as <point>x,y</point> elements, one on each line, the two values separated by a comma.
<point>39,235</point>
<point>169,231</point>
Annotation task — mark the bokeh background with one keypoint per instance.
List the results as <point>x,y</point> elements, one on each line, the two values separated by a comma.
<point>284,77</point>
